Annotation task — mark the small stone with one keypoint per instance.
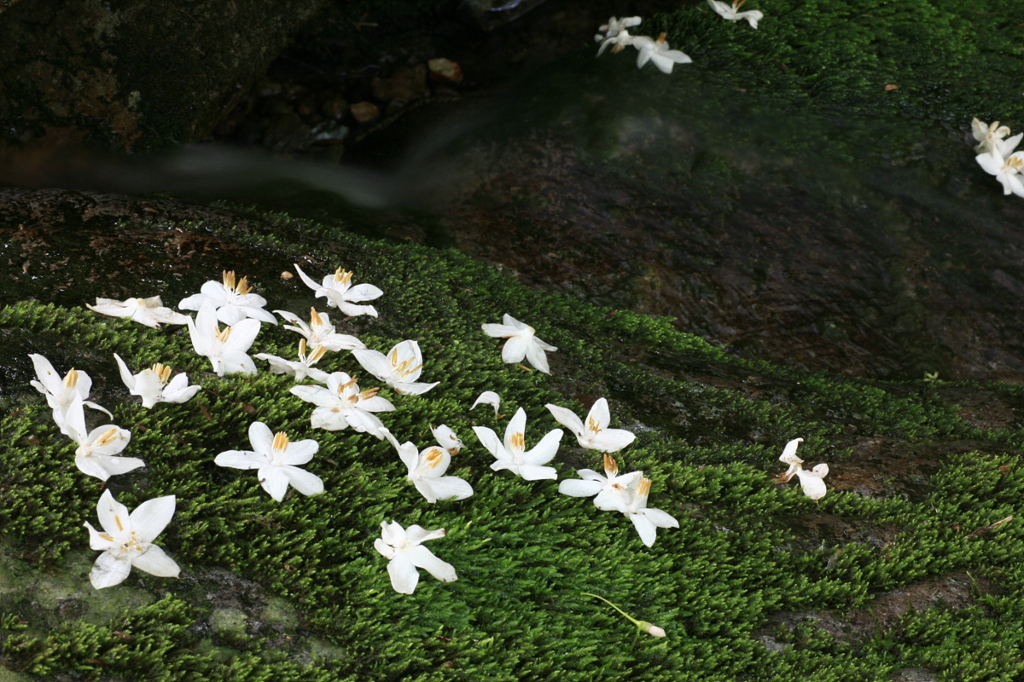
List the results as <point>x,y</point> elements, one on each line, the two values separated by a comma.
<point>445,70</point>
<point>365,111</point>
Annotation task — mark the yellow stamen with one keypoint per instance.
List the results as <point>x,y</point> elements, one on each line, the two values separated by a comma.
<point>342,387</point>
<point>163,372</point>
<point>71,380</point>
<point>342,277</point>
<point>117,519</point>
<point>108,437</point>
<point>610,467</point>
<point>661,38</point>
<point>106,537</point>
<point>229,279</point>
<point>1015,162</point>
<point>369,393</point>
<point>314,318</point>
<point>737,5</point>
<point>517,441</point>
<point>243,287</point>
<point>644,488</point>
<point>593,426</point>
<point>280,441</point>
<point>223,334</point>
<point>302,348</point>
<point>318,352</point>
<point>433,457</point>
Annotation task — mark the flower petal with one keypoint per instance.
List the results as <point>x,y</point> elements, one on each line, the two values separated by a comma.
<point>109,570</point>
<point>574,487</point>
<point>305,482</point>
<point>109,510</point>
<point>151,517</point>
<point>648,532</point>
<point>515,349</point>
<point>241,459</point>
<point>155,562</point>
<point>274,480</point>
<point>404,576</point>
<point>451,487</point>
<point>568,418</point>
<point>261,437</point>
<point>423,558</point>
<point>544,451</point>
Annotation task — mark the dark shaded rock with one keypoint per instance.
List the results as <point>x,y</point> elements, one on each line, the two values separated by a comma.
<point>406,84</point>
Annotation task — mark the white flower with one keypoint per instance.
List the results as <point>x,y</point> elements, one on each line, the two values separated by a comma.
<point>320,331</point>
<point>646,521</point>
<point>522,343</point>
<point>127,540</point>
<point>609,489</point>
<point>426,471</point>
<point>96,451</point>
<point>301,369</point>
<point>447,439</point>
<point>657,51</point>
<point>277,462</point>
<point>811,482</point>
<point>59,393</point>
<point>732,13</point>
<point>1006,172</point>
<point>405,553</point>
<point>399,370</point>
<point>151,384</point>
<point>511,454</point>
<point>225,348</point>
<point>147,311</point>
<point>488,398</point>
<point>616,26</point>
<point>340,293</point>
<point>991,139</point>
<point>341,405</point>
<point>618,43</point>
<point>233,301</point>
<point>595,435</point>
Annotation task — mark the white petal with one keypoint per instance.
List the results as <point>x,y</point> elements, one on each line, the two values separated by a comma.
<point>305,482</point>
<point>660,518</point>
<point>363,292</point>
<point>115,466</point>
<point>108,511</point>
<point>489,439</point>
<point>488,398</point>
<point>241,459</point>
<point>126,375</point>
<point>574,487</point>
<point>109,570</point>
<point>299,452</point>
<point>532,472</point>
<point>151,517</point>
<point>418,534</point>
<point>648,532</point>
<point>274,480</point>
<point>451,487</point>
<point>261,437</point>
<point>375,363</point>
<point>155,562</point>
<point>515,349</point>
<point>424,558</point>
<point>516,425</point>
<point>567,418</point>
<point>612,440</point>
<point>545,450</point>
<point>404,575</point>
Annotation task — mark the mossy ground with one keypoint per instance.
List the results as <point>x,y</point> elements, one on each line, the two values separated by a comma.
<point>710,429</point>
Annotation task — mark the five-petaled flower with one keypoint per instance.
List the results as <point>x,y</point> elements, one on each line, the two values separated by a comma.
<point>301,368</point>
<point>595,435</point>
<point>427,469</point>
<point>226,348</point>
<point>127,540</point>
<point>320,331</point>
<point>990,138</point>
<point>152,386</point>
<point>732,12</point>
<point>405,553</point>
<point>1007,171</point>
<point>148,311</point>
<point>340,293</point>
<point>512,454</point>
<point>615,33</point>
<point>232,300</point>
<point>97,449</point>
<point>609,489</point>
<point>399,369</point>
<point>59,393</point>
<point>811,482</point>
<point>277,461</point>
<point>657,51</point>
<point>342,404</point>
<point>522,343</point>
<point>633,503</point>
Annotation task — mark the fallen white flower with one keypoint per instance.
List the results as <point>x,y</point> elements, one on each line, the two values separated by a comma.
<point>127,540</point>
<point>1007,172</point>
<point>277,461</point>
<point>618,43</point>
<point>595,435</point>
<point>732,12</point>
<point>512,453</point>
<point>399,369</point>
<point>811,482</point>
<point>427,469</point>
<point>609,489</point>
<point>447,439</point>
<point>405,553</point>
<point>151,384</point>
<point>341,405</point>
<point>148,311</point>
<point>59,393</point>
<point>340,293</point>
<point>645,520</point>
<point>226,348</point>
<point>95,455</point>
<point>522,343</point>
<point>990,138</point>
<point>302,368</point>
<point>488,398</point>
<point>232,301</point>
<point>657,51</point>
<point>320,331</point>
<point>615,26</point>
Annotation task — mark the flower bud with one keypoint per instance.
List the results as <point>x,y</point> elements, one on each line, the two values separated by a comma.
<point>651,629</point>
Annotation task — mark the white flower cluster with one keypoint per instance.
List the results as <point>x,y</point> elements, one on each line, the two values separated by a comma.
<point>996,155</point>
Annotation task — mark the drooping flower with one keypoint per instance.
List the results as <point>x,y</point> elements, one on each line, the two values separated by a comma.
<point>512,454</point>
<point>405,553</point>
<point>427,469</point>
<point>127,540</point>
<point>447,439</point>
<point>609,489</point>
<point>657,51</point>
<point>595,435</point>
<point>488,398</point>
<point>642,625</point>
<point>1007,171</point>
<point>522,343</point>
<point>732,13</point>
<point>59,393</point>
<point>990,138</point>
<point>97,449</point>
<point>341,405</point>
<point>302,368</point>
<point>226,348</point>
<point>232,301</point>
<point>645,520</point>
<point>148,311</point>
<point>811,482</point>
<point>152,386</point>
<point>277,461</point>
<point>399,369</point>
<point>340,293</point>
<point>320,331</point>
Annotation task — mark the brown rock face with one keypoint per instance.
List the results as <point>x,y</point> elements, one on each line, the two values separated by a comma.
<point>142,75</point>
